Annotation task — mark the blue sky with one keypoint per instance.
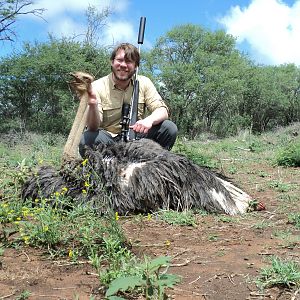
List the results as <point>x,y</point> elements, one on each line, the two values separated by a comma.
<point>268,30</point>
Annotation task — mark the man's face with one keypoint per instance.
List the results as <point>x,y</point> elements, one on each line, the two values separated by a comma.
<point>122,68</point>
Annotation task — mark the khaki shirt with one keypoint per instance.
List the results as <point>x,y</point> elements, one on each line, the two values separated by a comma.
<point>110,100</point>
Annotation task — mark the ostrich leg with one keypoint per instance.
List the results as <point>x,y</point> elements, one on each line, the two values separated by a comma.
<point>81,84</point>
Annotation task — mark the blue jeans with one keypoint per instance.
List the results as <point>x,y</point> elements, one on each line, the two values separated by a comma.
<point>164,134</point>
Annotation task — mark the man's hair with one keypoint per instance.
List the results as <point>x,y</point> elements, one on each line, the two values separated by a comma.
<point>131,53</point>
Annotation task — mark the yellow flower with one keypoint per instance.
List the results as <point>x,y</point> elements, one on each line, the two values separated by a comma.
<point>41,161</point>
<point>36,200</point>
<point>64,189</point>
<point>86,184</point>
<point>45,228</point>
<point>71,253</point>
<point>57,194</point>
<point>18,219</point>
<point>84,162</point>
<point>149,217</point>
<point>117,216</point>
<point>83,191</point>
<point>26,239</point>
<point>25,213</point>
<point>167,243</point>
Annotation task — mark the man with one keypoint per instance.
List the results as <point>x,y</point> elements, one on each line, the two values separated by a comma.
<point>109,93</point>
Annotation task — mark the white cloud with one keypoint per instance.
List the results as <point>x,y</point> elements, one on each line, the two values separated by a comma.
<point>119,32</point>
<point>270,27</point>
<point>66,27</point>
<point>67,18</point>
<point>58,7</point>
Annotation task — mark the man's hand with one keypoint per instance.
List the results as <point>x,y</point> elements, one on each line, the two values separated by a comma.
<point>142,126</point>
<point>92,97</point>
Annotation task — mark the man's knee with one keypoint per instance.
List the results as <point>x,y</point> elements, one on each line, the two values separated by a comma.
<point>170,128</point>
<point>164,133</point>
<point>90,138</point>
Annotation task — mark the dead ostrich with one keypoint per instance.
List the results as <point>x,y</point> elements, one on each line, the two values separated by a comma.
<point>137,176</point>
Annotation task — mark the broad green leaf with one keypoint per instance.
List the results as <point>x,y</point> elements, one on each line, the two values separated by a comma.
<point>124,284</point>
<point>158,262</point>
<point>169,280</point>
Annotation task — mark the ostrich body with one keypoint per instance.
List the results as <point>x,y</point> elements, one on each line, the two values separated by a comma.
<point>139,176</point>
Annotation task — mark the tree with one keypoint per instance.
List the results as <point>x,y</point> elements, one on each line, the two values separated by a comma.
<point>96,20</point>
<point>9,11</point>
<point>199,74</point>
<point>34,92</point>
<point>271,97</point>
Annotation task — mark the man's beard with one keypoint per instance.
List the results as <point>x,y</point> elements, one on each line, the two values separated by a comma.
<point>127,76</point>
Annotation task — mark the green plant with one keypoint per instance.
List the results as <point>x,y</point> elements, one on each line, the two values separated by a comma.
<point>192,153</point>
<point>232,169</point>
<point>282,234</point>
<point>280,273</point>
<point>152,281</point>
<point>24,295</point>
<point>227,219</point>
<point>280,186</point>
<point>289,156</point>
<point>261,225</point>
<point>294,219</point>
<point>119,259</point>
<point>213,237</point>
<point>183,218</point>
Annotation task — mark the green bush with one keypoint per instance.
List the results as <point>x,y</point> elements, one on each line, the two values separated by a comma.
<point>290,155</point>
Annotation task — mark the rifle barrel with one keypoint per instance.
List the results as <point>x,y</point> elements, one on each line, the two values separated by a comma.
<point>142,30</point>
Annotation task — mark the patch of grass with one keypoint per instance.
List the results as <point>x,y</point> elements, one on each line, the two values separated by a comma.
<point>282,273</point>
<point>232,169</point>
<point>227,219</point>
<point>280,186</point>
<point>289,156</point>
<point>76,232</point>
<point>24,295</point>
<point>289,198</point>
<point>213,237</point>
<point>182,218</point>
<point>262,174</point>
<point>282,234</point>
<point>35,148</point>
<point>294,219</point>
<point>193,153</point>
<point>261,225</point>
<point>120,261</point>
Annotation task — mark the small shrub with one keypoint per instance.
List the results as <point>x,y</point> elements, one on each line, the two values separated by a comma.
<point>289,156</point>
<point>295,219</point>
<point>152,282</point>
<point>280,273</point>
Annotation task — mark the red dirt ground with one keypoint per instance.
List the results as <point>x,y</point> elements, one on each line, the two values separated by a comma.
<point>218,259</point>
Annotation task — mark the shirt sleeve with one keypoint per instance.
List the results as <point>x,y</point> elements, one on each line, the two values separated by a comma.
<point>150,95</point>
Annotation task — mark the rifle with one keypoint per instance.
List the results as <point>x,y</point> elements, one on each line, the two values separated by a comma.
<point>130,111</point>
